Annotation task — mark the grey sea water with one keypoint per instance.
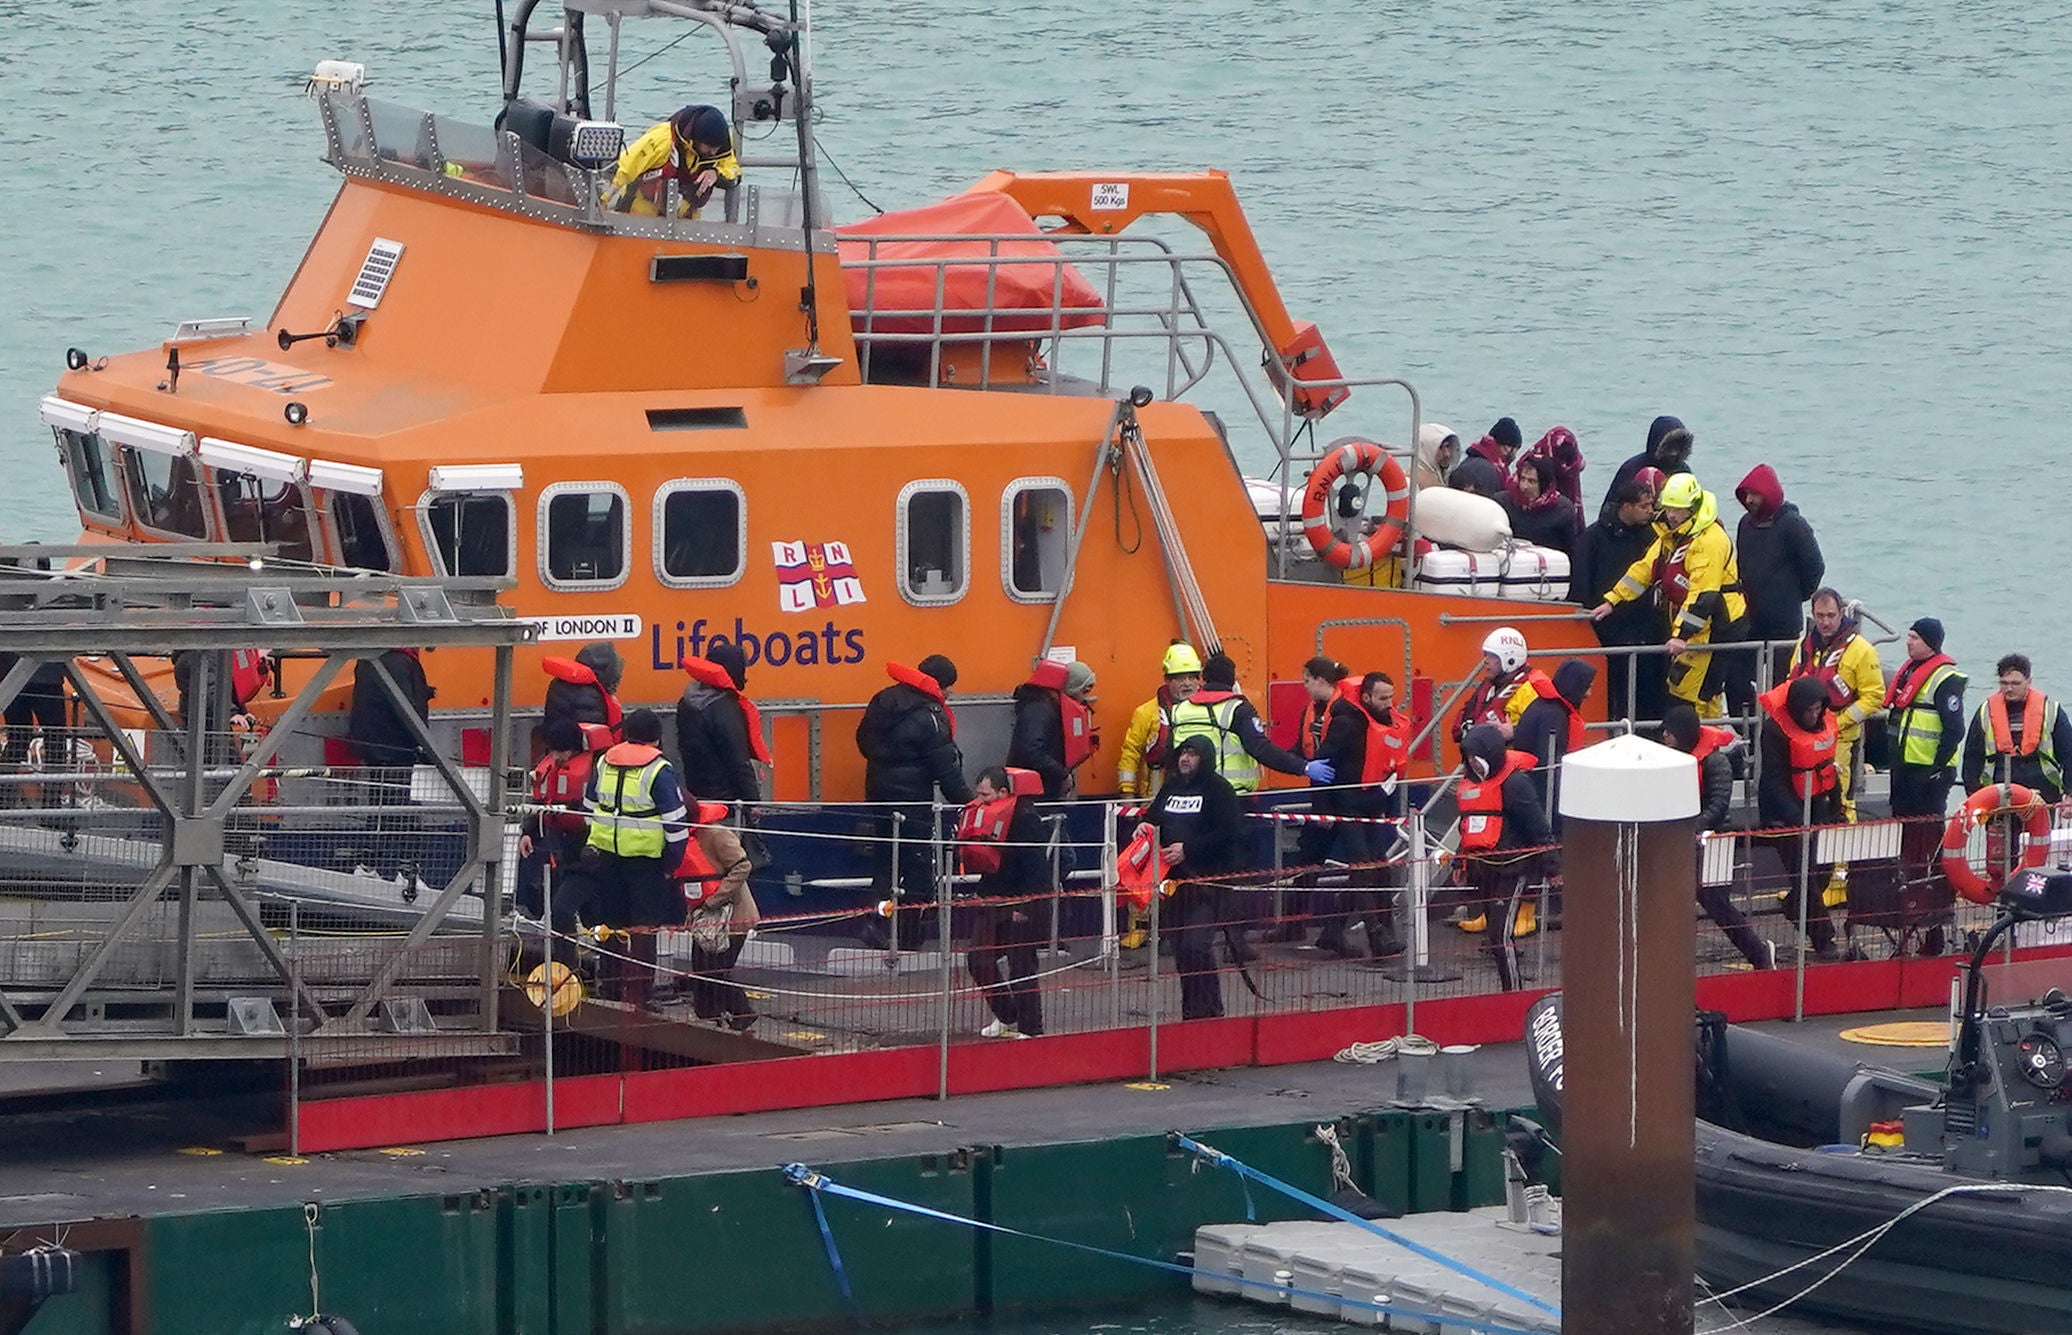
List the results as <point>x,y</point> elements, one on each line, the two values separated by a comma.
<point>1834,238</point>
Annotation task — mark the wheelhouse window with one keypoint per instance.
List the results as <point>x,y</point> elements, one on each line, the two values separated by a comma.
<point>258,509</point>
<point>470,532</point>
<point>93,482</point>
<point>1035,537</point>
<point>583,535</point>
<point>701,533</point>
<point>165,493</point>
<point>363,542</point>
<point>934,542</point>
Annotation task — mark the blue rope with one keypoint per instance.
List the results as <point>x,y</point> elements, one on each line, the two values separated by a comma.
<point>1243,1170</point>
<point>817,1184</point>
<point>834,1258</point>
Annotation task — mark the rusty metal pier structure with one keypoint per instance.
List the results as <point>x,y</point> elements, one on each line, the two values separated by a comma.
<point>155,905</point>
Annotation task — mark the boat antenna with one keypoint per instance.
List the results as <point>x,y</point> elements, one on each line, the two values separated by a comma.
<point>503,58</point>
<point>802,120</point>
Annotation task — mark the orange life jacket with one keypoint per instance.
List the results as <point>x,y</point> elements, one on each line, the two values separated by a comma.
<point>1315,714</point>
<point>1711,739</point>
<point>595,737</point>
<point>560,783</point>
<point>1388,746</point>
<point>247,674</point>
<point>713,675</point>
<point>926,685</point>
<point>700,878</point>
<point>1482,805</point>
<point>2003,735</point>
<point>1543,687</point>
<point>1911,677</point>
<point>1812,753</point>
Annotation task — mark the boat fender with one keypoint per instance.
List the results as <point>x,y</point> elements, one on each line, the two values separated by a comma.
<point>1994,800</point>
<point>1462,519</point>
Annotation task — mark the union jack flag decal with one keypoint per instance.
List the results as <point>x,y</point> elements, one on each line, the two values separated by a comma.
<point>815,574</point>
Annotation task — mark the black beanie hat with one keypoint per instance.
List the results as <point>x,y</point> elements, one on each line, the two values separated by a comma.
<point>1506,433</point>
<point>1219,672</point>
<point>1931,632</point>
<point>729,656</point>
<point>940,668</point>
<point>644,726</point>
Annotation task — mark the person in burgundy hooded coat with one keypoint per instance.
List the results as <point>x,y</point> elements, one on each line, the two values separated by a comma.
<point>1780,561</point>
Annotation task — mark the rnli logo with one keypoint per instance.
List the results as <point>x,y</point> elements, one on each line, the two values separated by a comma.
<point>815,574</point>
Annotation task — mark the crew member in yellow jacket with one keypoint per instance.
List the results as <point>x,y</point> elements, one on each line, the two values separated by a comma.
<point>1141,763</point>
<point>1691,569</point>
<point>693,148</point>
<point>1834,652</point>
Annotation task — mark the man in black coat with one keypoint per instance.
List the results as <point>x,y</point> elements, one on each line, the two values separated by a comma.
<point>712,735</point>
<point>908,740</point>
<point>1668,448</point>
<point>1780,562</point>
<point>1199,821</point>
<point>1499,873</point>
<point>1608,547</point>
<point>1361,843</point>
<point>378,732</point>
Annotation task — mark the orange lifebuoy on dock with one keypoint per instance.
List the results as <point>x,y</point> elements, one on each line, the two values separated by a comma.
<point>1998,799</point>
<point>1345,457</point>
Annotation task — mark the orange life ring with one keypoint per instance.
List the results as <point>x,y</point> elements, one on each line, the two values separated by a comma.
<point>1344,457</point>
<point>1982,806</point>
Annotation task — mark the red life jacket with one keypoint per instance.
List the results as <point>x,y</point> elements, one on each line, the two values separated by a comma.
<point>1490,700</point>
<point>1712,739</point>
<point>1826,664</point>
<point>1672,576</point>
<point>1482,805</point>
<point>560,783</point>
<point>1812,753</point>
<point>1911,677</point>
<point>248,671</point>
<point>1388,746</point>
<point>1316,714</point>
<point>1075,720</point>
<point>596,737</point>
<point>713,675</point>
<point>926,685</point>
<point>700,878</point>
<point>1578,735</point>
<point>982,826</point>
<point>2002,740</point>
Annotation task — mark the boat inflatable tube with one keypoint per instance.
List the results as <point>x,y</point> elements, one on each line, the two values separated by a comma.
<point>1462,519</point>
<point>2000,799</point>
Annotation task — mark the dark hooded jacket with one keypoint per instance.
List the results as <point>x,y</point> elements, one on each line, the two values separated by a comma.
<point>909,748</point>
<point>379,735</point>
<point>1542,731</point>
<point>579,701</point>
<point>1779,557</point>
<point>1776,803</point>
<point>1024,866</point>
<point>1038,741</point>
<point>1202,814</point>
<point>1659,432</point>
<point>1549,519</point>
<point>1680,729</point>
<point>1478,475</point>
<point>712,735</point>
<point>1525,816</point>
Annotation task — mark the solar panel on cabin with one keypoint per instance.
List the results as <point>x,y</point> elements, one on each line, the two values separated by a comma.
<point>375,272</point>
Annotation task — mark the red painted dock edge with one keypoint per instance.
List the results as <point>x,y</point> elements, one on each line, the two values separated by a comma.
<point>1065,1059</point>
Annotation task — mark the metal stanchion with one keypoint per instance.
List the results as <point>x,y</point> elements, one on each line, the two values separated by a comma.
<point>1151,945</point>
<point>294,1028</point>
<point>547,976</point>
<point>1057,880</point>
<point>892,889</point>
<point>1798,988</point>
<point>942,929</point>
<point>1111,858</point>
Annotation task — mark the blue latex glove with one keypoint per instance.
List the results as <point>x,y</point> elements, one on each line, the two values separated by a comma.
<point>1320,771</point>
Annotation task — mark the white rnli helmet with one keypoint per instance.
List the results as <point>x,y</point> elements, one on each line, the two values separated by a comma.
<point>1508,646</point>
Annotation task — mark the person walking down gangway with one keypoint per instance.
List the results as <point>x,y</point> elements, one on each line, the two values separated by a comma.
<point>1798,789</point>
<point>1713,748</point>
<point>908,740</point>
<point>1199,823</point>
<point>1924,706</point>
<point>1000,840</point>
<point>639,825</point>
<point>1367,744</point>
<point>1505,841</point>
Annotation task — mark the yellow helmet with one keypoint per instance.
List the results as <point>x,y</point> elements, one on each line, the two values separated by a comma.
<point>1182,661</point>
<point>1681,492</point>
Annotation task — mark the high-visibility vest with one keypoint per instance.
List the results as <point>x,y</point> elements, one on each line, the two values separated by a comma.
<point>1916,722</point>
<point>625,819</point>
<point>1812,753</point>
<point>1213,714</point>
